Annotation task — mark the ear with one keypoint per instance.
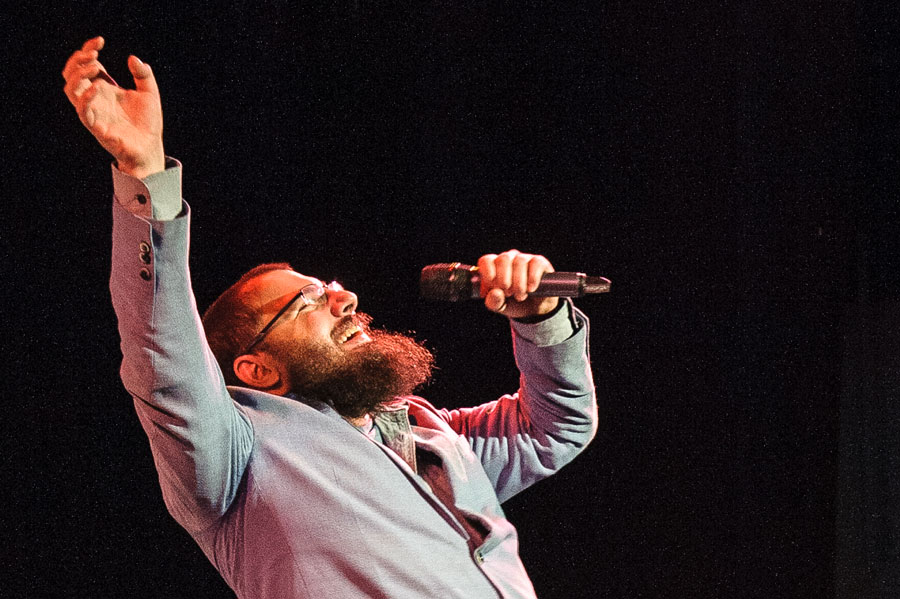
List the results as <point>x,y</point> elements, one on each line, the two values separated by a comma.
<point>260,372</point>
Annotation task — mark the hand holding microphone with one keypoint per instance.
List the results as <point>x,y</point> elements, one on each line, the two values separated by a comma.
<point>512,283</point>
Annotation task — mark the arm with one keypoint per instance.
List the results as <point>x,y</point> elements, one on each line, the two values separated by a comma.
<point>525,437</point>
<point>199,439</point>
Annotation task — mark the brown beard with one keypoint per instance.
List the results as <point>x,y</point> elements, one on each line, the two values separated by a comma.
<point>356,382</point>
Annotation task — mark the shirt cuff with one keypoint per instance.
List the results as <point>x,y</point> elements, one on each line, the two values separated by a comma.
<point>552,331</point>
<point>155,197</point>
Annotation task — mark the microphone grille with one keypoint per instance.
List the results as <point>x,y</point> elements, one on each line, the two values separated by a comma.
<point>447,282</point>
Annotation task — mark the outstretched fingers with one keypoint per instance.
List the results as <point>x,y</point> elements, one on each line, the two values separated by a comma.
<point>144,81</point>
<point>82,68</point>
<point>79,81</point>
<point>88,52</point>
<point>126,122</point>
<point>95,43</point>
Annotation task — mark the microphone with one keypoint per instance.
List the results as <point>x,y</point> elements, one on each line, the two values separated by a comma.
<point>456,282</point>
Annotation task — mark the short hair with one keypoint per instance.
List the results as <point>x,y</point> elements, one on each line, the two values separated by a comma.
<point>230,323</point>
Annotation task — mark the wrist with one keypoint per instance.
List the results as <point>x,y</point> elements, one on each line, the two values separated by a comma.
<point>548,308</point>
<point>143,167</point>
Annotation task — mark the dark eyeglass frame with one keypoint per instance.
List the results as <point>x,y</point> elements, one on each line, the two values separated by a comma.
<point>311,295</point>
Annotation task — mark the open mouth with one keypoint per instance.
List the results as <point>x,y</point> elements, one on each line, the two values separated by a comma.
<point>352,330</point>
<point>349,333</point>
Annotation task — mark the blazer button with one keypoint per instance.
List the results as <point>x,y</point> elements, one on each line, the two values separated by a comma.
<point>145,247</point>
<point>141,198</point>
<point>145,274</point>
<point>145,257</point>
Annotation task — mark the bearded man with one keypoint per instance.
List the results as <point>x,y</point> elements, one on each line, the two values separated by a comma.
<point>282,426</point>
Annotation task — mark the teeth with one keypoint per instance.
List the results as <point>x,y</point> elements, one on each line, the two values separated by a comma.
<point>348,333</point>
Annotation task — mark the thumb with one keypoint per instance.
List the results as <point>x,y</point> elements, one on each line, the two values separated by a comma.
<point>495,300</point>
<point>144,80</point>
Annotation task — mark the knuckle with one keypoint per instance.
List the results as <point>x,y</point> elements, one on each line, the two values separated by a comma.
<point>487,259</point>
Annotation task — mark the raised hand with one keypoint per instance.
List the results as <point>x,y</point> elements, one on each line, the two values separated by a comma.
<point>508,278</point>
<point>127,123</point>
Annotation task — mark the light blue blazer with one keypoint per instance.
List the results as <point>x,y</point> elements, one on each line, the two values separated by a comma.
<point>287,499</point>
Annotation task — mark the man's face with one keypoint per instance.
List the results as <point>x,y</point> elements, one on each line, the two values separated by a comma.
<point>327,352</point>
<point>330,322</point>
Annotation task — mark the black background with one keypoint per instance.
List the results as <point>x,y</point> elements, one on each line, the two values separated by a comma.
<point>728,165</point>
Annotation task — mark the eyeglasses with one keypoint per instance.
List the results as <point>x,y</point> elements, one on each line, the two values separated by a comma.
<point>313,294</point>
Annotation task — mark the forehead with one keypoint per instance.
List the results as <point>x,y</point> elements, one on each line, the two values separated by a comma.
<point>271,290</point>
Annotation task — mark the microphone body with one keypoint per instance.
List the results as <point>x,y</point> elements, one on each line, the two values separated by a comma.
<point>454,282</point>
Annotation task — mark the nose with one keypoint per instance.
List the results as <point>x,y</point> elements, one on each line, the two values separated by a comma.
<point>342,302</point>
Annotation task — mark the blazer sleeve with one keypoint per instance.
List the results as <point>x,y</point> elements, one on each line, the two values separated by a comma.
<point>199,438</point>
<point>527,436</point>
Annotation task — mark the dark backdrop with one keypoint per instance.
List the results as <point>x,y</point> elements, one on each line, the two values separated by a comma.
<point>727,165</point>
